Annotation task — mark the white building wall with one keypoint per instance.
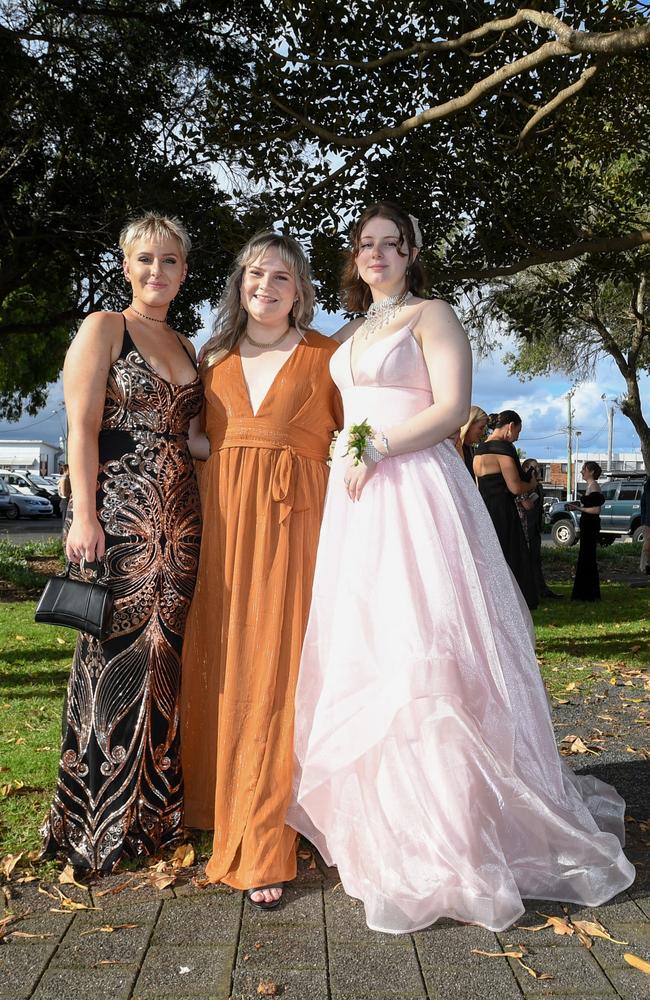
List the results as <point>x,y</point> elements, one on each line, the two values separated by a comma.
<point>35,456</point>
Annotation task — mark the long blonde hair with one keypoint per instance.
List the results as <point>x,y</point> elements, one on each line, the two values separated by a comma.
<point>475,413</point>
<point>231,319</point>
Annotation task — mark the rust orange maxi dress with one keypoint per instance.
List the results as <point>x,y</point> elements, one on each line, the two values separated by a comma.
<point>262,492</point>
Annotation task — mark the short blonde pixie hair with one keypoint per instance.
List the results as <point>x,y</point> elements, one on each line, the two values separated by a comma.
<point>152,226</point>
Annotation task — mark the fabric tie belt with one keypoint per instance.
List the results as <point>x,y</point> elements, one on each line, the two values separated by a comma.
<point>255,432</point>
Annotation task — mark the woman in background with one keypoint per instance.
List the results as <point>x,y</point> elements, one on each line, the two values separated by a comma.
<point>470,435</point>
<point>270,411</point>
<point>500,479</point>
<point>586,584</point>
<point>533,514</point>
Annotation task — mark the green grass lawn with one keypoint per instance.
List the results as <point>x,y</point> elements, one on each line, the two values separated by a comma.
<point>576,643</point>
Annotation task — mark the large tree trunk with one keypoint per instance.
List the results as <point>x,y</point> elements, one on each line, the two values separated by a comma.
<point>631,408</point>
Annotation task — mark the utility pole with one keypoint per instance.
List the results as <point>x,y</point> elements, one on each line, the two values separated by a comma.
<point>610,438</point>
<point>610,428</point>
<point>569,455</point>
<point>575,485</point>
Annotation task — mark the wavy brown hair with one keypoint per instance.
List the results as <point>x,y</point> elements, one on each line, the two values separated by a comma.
<point>231,319</point>
<point>355,293</point>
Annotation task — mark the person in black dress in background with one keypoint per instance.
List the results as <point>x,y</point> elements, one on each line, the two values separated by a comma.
<point>586,585</point>
<point>132,397</point>
<point>534,515</point>
<point>470,434</point>
<point>500,479</point>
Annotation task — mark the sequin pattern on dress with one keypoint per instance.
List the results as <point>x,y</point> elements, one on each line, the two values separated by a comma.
<point>120,785</point>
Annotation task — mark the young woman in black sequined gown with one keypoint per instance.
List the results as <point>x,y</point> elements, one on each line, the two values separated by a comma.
<point>133,399</point>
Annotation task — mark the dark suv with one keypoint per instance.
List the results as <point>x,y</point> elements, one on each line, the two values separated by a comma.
<point>619,515</point>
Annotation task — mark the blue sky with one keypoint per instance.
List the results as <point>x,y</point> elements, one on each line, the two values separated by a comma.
<point>541,403</point>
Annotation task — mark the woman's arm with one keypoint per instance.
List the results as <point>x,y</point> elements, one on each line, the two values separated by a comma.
<point>197,440</point>
<point>448,359</point>
<point>508,468</point>
<point>85,373</point>
<point>345,332</point>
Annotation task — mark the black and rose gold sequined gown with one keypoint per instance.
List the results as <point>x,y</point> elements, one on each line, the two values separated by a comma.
<point>120,785</point>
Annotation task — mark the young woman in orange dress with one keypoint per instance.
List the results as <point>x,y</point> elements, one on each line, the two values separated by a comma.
<point>271,409</point>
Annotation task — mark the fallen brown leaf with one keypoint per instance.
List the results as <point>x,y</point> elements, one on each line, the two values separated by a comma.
<point>113,891</point>
<point>267,989</point>
<point>534,973</point>
<point>560,925</point>
<point>8,864</point>
<point>67,878</point>
<point>27,934</point>
<point>499,954</point>
<point>183,856</point>
<point>637,963</point>
<point>573,744</point>
<point>108,929</point>
<point>594,928</point>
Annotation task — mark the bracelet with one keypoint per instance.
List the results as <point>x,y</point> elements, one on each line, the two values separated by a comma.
<point>359,437</point>
<point>385,443</point>
<point>372,453</point>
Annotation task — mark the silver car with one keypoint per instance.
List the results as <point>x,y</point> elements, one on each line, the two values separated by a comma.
<point>26,505</point>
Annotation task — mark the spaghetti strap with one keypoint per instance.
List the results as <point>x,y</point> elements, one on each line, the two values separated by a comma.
<point>180,341</point>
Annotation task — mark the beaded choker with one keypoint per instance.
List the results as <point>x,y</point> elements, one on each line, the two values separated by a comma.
<point>381,313</point>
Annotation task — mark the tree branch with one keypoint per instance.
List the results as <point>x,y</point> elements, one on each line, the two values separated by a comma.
<point>560,98</point>
<point>609,42</point>
<point>605,244</point>
<point>447,109</point>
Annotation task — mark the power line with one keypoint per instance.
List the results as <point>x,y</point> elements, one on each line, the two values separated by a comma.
<point>32,423</point>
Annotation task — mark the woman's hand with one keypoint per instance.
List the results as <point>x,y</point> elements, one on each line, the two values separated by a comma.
<point>85,540</point>
<point>356,477</point>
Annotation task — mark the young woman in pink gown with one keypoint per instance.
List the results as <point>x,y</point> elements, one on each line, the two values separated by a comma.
<point>426,764</point>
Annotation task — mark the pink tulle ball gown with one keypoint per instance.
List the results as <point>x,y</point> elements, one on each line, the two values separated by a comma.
<point>426,764</point>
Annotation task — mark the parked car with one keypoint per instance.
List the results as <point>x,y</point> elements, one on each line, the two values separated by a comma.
<point>27,505</point>
<point>4,497</point>
<point>620,515</point>
<point>31,482</point>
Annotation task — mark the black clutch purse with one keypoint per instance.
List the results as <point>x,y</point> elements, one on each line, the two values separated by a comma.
<point>86,605</point>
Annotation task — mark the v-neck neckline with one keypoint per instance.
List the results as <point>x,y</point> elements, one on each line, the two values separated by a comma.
<point>255,413</point>
<point>381,340</point>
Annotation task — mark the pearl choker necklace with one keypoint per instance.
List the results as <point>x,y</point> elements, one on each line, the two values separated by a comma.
<point>381,313</point>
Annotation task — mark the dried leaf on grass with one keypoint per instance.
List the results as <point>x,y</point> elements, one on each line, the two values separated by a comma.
<point>267,989</point>
<point>637,963</point>
<point>108,929</point>
<point>8,864</point>
<point>17,788</point>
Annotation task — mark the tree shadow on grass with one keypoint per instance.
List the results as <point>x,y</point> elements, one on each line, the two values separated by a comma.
<point>34,685</point>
